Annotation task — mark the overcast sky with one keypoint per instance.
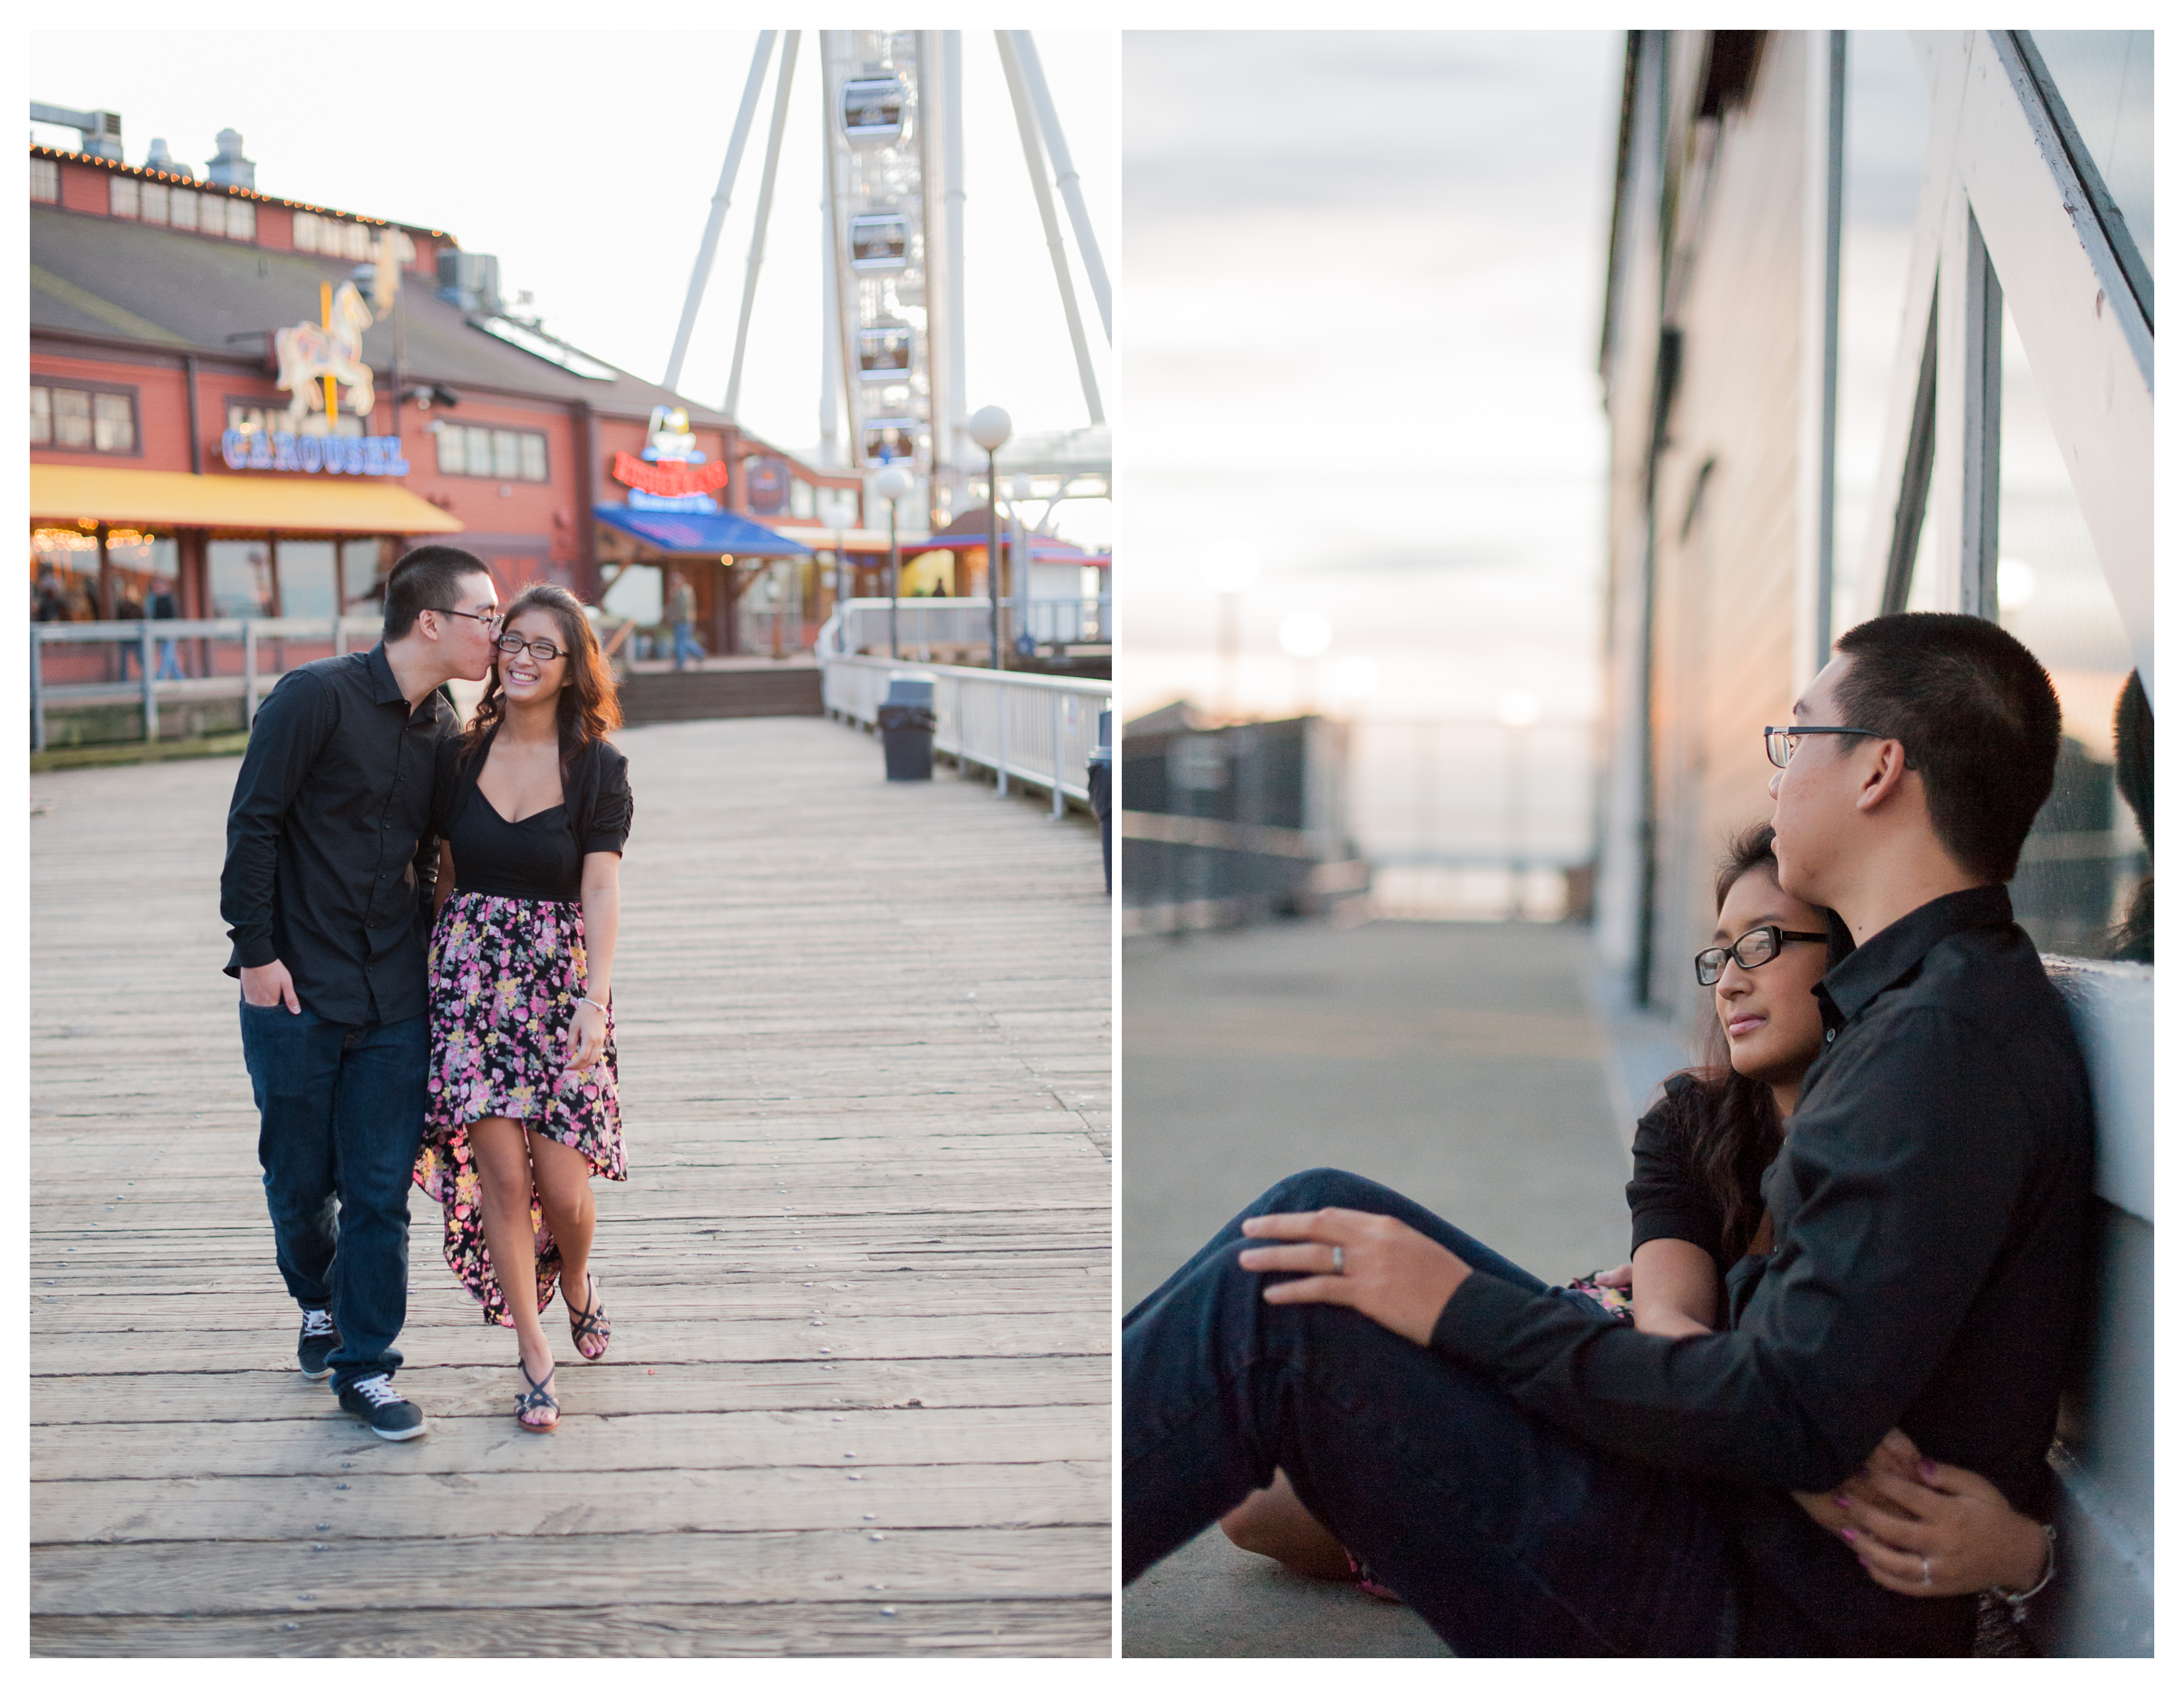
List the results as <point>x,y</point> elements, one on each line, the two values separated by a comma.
<point>1364,306</point>
<point>586,162</point>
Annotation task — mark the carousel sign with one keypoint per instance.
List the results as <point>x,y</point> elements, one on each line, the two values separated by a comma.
<point>317,360</point>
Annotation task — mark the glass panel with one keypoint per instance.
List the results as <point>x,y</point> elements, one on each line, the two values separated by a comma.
<point>121,195</point>
<point>46,180</point>
<point>249,418</point>
<point>242,219</point>
<point>306,577</point>
<point>1885,111</point>
<point>303,231</point>
<point>64,574</point>
<point>2106,79</point>
<point>42,417</point>
<point>182,208</point>
<point>152,196</point>
<point>240,574</point>
<point>451,450</point>
<point>147,567</point>
<point>477,448</point>
<point>507,455</point>
<point>636,595</point>
<point>2085,855</point>
<point>114,422</point>
<point>364,563</point>
<point>534,456</point>
<point>71,419</point>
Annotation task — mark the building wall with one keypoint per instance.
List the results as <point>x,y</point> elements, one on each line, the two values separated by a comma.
<point>1725,509</point>
<point>163,415</point>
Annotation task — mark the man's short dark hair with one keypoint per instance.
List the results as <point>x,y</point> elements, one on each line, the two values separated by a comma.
<point>1977,717</point>
<point>429,578</point>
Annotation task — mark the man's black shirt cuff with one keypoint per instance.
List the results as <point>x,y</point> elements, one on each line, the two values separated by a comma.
<point>1475,1324</point>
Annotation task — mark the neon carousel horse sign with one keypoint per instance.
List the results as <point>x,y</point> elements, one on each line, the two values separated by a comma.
<point>315,359</point>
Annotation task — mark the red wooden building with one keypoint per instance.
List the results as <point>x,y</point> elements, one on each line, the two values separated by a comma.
<point>166,458</point>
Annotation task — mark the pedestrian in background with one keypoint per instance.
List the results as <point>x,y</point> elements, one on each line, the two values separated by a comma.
<point>682,611</point>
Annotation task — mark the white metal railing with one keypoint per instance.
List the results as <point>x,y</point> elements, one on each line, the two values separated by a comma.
<point>922,625</point>
<point>154,642</point>
<point>1037,729</point>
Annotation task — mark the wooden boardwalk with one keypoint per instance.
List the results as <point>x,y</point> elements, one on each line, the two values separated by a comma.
<point>857,1401</point>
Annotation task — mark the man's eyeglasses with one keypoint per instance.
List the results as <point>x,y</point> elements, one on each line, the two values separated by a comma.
<point>1757,947</point>
<point>1782,741</point>
<point>544,650</point>
<point>488,622</point>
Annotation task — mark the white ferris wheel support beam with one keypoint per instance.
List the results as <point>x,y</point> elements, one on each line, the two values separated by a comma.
<point>951,146</point>
<point>703,268</point>
<point>765,214</point>
<point>1066,178</point>
<point>1026,128</point>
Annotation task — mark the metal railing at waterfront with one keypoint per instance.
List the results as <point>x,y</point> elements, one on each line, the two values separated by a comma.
<point>924,624</point>
<point>1037,729</point>
<point>180,661</point>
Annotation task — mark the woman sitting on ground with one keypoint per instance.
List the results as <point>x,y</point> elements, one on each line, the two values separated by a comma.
<point>1699,1224</point>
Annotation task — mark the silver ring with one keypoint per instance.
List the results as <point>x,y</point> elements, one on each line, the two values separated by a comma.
<point>1338,1259</point>
<point>1925,1572</point>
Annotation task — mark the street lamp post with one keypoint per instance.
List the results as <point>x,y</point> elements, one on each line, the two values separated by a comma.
<point>893,483</point>
<point>990,430</point>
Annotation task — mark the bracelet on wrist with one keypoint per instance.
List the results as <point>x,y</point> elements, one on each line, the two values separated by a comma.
<point>595,1003</point>
<point>2016,1601</point>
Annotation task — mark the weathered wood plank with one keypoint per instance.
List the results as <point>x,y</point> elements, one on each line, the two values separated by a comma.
<point>1066,1628</point>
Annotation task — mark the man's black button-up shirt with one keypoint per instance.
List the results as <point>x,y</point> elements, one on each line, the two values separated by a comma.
<point>1929,1202</point>
<point>330,866</point>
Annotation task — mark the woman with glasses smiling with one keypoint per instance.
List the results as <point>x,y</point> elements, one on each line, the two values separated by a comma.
<point>1699,1226</point>
<point>532,805</point>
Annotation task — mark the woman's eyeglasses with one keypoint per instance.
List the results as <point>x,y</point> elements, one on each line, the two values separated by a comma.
<point>1757,947</point>
<point>544,650</point>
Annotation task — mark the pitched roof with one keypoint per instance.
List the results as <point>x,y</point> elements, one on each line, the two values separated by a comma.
<point>165,287</point>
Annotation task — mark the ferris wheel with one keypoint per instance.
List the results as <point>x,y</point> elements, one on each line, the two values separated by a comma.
<point>892,357</point>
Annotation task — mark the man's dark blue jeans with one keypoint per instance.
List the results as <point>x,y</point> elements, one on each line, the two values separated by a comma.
<point>1508,1536</point>
<point>341,1110</point>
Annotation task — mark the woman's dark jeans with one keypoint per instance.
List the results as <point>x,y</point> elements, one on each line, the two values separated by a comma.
<point>1508,1535</point>
<point>341,1110</point>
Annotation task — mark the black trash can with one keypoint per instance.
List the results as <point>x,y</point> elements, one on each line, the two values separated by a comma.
<point>1099,784</point>
<point>906,723</point>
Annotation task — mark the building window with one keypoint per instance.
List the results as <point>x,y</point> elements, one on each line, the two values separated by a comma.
<point>152,196</point>
<point>242,219</point>
<point>71,419</point>
<point>64,574</point>
<point>240,572</point>
<point>801,504</point>
<point>492,454</point>
<point>46,180</point>
<point>121,195</point>
<point>182,208</point>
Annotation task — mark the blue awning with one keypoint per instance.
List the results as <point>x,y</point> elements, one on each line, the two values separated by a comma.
<point>719,534</point>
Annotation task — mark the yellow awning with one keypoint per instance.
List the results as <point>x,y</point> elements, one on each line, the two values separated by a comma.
<point>314,504</point>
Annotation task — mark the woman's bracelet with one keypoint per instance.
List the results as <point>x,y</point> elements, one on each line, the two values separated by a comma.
<point>595,1003</point>
<point>2017,1601</point>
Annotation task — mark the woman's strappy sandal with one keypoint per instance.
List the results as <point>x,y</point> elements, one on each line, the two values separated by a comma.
<point>536,1400</point>
<point>594,1322</point>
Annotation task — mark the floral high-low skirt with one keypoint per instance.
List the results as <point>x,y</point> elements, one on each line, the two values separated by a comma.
<point>506,973</point>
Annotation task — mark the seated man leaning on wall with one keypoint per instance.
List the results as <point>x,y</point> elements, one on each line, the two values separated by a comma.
<point>1536,1480</point>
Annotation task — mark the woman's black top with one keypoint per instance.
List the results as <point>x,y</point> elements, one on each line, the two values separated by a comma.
<point>1668,1196</point>
<point>541,857</point>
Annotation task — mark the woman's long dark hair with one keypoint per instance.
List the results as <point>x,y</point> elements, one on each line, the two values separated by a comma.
<point>589,710</point>
<point>1735,1129</point>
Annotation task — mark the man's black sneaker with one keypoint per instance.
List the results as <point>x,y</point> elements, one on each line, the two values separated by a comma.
<point>314,1347</point>
<point>373,1399</point>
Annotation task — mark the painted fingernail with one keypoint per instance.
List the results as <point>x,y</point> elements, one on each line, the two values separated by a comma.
<point>1848,1533</point>
<point>1927,1470</point>
<point>1840,1501</point>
